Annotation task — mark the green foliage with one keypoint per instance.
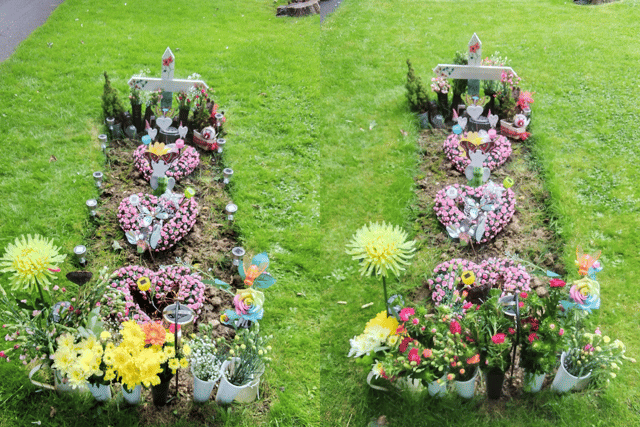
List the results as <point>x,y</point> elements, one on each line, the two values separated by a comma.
<point>417,94</point>
<point>111,104</point>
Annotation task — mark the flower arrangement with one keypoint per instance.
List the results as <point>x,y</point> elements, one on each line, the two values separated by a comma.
<point>595,353</point>
<point>32,333</point>
<point>31,262</point>
<point>248,303</point>
<point>146,355</point>
<point>205,358</point>
<point>461,352</point>
<point>440,84</point>
<point>184,164</point>
<point>381,248</point>
<point>457,155</point>
<point>542,329</point>
<point>492,332</point>
<point>448,286</point>
<point>474,214</point>
<point>82,362</point>
<point>379,334</point>
<point>170,284</point>
<point>248,353</point>
<point>180,218</point>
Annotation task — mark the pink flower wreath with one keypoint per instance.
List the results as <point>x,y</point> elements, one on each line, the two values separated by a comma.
<point>186,163</point>
<point>173,230</point>
<point>502,273</point>
<point>458,157</point>
<point>171,284</point>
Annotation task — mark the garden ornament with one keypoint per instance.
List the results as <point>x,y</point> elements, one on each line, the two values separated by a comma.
<point>150,131</point>
<point>493,119</point>
<point>585,262</point>
<point>521,121</point>
<point>209,133</point>
<point>182,131</point>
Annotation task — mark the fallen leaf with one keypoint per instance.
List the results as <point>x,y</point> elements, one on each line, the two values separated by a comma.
<point>404,132</point>
<point>52,159</point>
<point>342,302</point>
<point>52,412</point>
<point>367,305</point>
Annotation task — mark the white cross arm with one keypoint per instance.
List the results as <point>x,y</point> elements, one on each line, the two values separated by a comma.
<point>472,72</point>
<point>175,85</point>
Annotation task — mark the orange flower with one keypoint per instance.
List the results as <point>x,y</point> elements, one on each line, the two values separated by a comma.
<point>154,333</point>
<point>474,359</point>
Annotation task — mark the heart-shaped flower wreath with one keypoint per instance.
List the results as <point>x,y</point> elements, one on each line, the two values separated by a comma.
<point>164,220</point>
<point>181,166</point>
<point>449,287</point>
<point>457,154</point>
<point>478,214</point>
<point>126,299</point>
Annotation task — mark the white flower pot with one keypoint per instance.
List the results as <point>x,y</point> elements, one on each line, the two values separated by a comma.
<point>466,389</point>
<point>100,392</point>
<point>134,397</point>
<point>61,384</point>
<point>202,389</point>
<point>582,382</point>
<point>533,382</point>
<point>564,381</point>
<point>438,389</point>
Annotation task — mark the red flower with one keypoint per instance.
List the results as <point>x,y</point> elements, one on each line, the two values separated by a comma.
<point>523,295</point>
<point>532,337</point>
<point>414,355</point>
<point>512,331</point>
<point>474,48</point>
<point>400,330</point>
<point>404,344</point>
<point>455,327</point>
<point>467,305</point>
<point>498,338</point>
<point>557,283</point>
<point>520,304</point>
<point>167,62</point>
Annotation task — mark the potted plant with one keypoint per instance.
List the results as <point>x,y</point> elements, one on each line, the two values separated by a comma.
<point>514,107</point>
<point>112,108</point>
<point>492,335</point>
<point>441,87</point>
<point>461,352</point>
<point>542,334</point>
<point>246,357</point>
<point>147,356</point>
<point>205,363</point>
<point>417,96</point>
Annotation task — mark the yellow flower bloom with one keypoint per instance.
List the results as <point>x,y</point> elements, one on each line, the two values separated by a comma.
<point>184,363</point>
<point>380,248</point>
<point>30,260</point>
<point>158,149</point>
<point>382,320</point>
<point>186,349</point>
<point>66,341</point>
<point>174,364</point>
<point>105,335</point>
<point>169,351</point>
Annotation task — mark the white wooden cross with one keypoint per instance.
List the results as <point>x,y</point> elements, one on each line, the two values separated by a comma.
<point>474,72</point>
<point>167,83</point>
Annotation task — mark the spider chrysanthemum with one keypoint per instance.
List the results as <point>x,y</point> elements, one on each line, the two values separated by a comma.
<point>381,247</point>
<point>30,260</point>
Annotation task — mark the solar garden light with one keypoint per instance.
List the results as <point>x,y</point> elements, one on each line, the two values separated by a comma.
<point>92,204</point>
<point>110,123</point>
<point>97,176</point>
<point>227,172</point>
<point>103,141</point>
<point>219,120</point>
<point>231,209</point>
<point>134,199</point>
<point>80,252</point>
<point>179,315</point>
<point>221,143</point>
<point>237,252</point>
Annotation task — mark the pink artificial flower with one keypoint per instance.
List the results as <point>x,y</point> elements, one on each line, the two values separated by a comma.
<point>414,355</point>
<point>498,338</point>
<point>597,331</point>
<point>557,283</point>
<point>405,313</point>
<point>561,332</point>
<point>415,321</point>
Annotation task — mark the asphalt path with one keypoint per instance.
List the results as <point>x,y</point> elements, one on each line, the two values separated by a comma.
<point>18,18</point>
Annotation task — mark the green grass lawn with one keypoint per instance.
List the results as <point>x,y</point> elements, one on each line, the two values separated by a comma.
<point>300,100</point>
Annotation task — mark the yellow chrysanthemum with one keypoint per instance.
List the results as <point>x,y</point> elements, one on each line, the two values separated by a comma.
<point>173,365</point>
<point>30,260</point>
<point>110,375</point>
<point>63,358</point>
<point>66,341</point>
<point>382,320</point>
<point>169,351</point>
<point>158,149</point>
<point>186,349</point>
<point>184,362</point>
<point>381,247</point>
<point>105,335</point>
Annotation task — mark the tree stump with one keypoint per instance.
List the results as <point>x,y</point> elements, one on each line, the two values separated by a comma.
<point>310,7</point>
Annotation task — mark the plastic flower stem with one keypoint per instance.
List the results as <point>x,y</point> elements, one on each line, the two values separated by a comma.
<point>386,298</point>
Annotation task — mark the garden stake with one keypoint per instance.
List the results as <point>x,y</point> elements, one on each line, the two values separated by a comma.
<point>515,346</point>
